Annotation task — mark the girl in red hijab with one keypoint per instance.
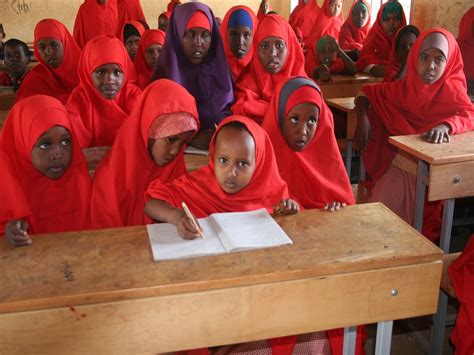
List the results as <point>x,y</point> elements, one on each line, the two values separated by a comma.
<point>328,23</point>
<point>148,53</point>
<point>237,31</point>
<point>95,18</point>
<point>132,31</point>
<point>466,44</point>
<point>356,27</point>
<point>278,56</point>
<point>148,146</point>
<point>301,128</point>
<point>163,20</point>
<point>374,55</point>
<point>105,96</point>
<point>130,10</point>
<point>441,107</point>
<point>304,17</point>
<point>57,53</point>
<point>45,168</point>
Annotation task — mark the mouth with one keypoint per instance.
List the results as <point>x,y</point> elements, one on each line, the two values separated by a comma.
<point>56,170</point>
<point>52,61</point>
<point>241,52</point>
<point>109,91</point>
<point>230,185</point>
<point>429,77</point>
<point>273,65</point>
<point>301,143</point>
<point>198,54</point>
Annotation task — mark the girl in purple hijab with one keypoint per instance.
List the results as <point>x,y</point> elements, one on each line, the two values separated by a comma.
<point>193,56</point>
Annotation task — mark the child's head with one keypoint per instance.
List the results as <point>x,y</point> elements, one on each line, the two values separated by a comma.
<point>51,51</point>
<point>234,157</point>
<point>334,7</point>
<point>392,17</point>
<point>432,57</point>
<point>326,51</point>
<point>163,21</point>
<point>197,38</point>
<point>16,57</point>
<point>360,15</point>
<point>152,54</point>
<point>240,33</point>
<point>108,79</point>
<point>272,53</point>
<point>406,38</point>
<point>150,47</point>
<point>131,39</point>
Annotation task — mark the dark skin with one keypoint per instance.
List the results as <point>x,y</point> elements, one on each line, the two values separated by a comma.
<point>405,43</point>
<point>272,54</point>
<point>16,61</point>
<point>196,44</point>
<point>327,56</point>
<point>162,22</point>
<point>240,40</point>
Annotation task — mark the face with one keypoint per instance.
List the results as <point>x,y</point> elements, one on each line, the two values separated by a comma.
<point>131,45</point>
<point>51,51</point>
<point>431,65</point>
<point>391,24</point>
<point>162,23</point>
<point>300,126</point>
<point>152,54</point>
<point>334,7</point>
<point>240,40</point>
<point>52,152</point>
<point>272,53</point>
<point>327,54</point>
<point>108,80</point>
<point>234,159</point>
<point>405,42</point>
<point>360,16</point>
<point>164,150</point>
<point>16,60</point>
<point>196,44</point>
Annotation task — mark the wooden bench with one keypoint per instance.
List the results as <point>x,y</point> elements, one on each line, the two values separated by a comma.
<point>346,85</point>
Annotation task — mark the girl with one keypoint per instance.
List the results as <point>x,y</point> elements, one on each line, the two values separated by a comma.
<point>132,32</point>
<point>374,55</point>
<point>149,50</point>
<point>148,146</point>
<point>237,32</point>
<point>43,170</point>
<point>304,16</point>
<point>163,20</point>
<point>328,23</point>
<point>301,128</point>
<point>57,53</point>
<point>278,56</point>
<point>95,18</point>
<point>466,44</point>
<point>193,56</point>
<point>397,62</point>
<point>356,28</point>
<point>441,108</point>
<point>104,97</point>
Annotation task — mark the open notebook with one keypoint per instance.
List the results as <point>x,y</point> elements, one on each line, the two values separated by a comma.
<point>223,233</point>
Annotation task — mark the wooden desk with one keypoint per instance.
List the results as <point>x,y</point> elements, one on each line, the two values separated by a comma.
<point>447,170</point>
<point>195,161</point>
<point>346,85</point>
<point>7,99</point>
<point>100,291</point>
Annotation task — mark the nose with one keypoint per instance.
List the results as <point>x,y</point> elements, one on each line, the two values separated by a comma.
<point>301,129</point>
<point>48,50</point>
<point>56,152</point>
<point>432,64</point>
<point>197,41</point>
<point>174,150</point>
<point>232,170</point>
<point>273,51</point>
<point>108,78</point>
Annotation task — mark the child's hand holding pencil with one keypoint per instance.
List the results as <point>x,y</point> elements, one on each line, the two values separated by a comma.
<point>187,225</point>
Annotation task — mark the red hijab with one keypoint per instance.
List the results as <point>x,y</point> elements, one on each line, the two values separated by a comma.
<point>237,65</point>
<point>123,176</point>
<point>350,36</point>
<point>304,16</point>
<point>377,44</point>
<point>255,90</point>
<point>136,24</point>
<point>466,42</point>
<point>325,25</point>
<point>203,194</point>
<point>44,80</point>
<point>409,106</point>
<point>129,10</point>
<point>47,205</point>
<point>172,4</point>
<point>316,175</point>
<point>101,118</point>
<point>95,19</point>
<point>144,72</point>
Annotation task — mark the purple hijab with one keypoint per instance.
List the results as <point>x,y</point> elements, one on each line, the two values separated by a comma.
<point>209,82</point>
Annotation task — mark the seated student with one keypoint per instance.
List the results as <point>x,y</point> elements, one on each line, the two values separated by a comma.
<point>328,23</point>
<point>105,96</point>
<point>278,56</point>
<point>163,20</point>
<point>237,32</point>
<point>96,18</point>
<point>430,100</point>
<point>301,128</point>
<point>304,17</point>
<point>149,50</point>
<point>129,10</point>
<point>131,34</point>
<point>57,53</point>
<point>466,44</point>
<point>373,57</point>
<point>397,62</point>
<point>44,170</point>
<point>16,61</point>
<point>193,56</point>
<point>148,146</point>
<point>356,28</point>
<point>328,58</point>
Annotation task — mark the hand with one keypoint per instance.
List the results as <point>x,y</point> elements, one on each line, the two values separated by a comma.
<point>16,233</point>
<point>438,134</point>
<point>334,206</point>
<point>334,44</point>
<point>288,206</point>
<point>186,228</point>
<point>202,139</point>
<point>378,71</point>
<point>362,132</point>
<point>324,73</point>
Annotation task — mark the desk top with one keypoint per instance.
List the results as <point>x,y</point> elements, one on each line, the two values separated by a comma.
<point>116,264</point>
<point>351,79</point>
<point>345,104</point>
<point>460,149</point>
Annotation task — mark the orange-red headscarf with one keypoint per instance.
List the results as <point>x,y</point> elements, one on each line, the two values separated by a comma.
<point>304,16</point>
<point>466,42</point>
<point>47,205</point>
<point>123,176</point>
<point>44,80</point>
<point>101,118</point>
<point>203,194</point>
<point>144,72</point>
<point>129,10</point>
<point>95,19</point>
<point>350,36</point>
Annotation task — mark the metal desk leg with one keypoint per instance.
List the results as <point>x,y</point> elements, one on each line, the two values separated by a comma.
<point>421,182</point>
<point>348,159</point>
<point>349,341</point>
<point>383,341</point>
<point>361,168</point>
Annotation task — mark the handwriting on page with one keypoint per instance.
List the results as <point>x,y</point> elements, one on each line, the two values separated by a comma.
<point>20,7</point>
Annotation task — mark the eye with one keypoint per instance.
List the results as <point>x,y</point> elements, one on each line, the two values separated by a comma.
<point>66,142</point>
<point>117,71</point>
<point>222,160</point>
<point>206,34</point>
<point>189,34</point>
<point>54,45</point>
<point>423,57</point>
<point>439,60</point>
<point>171,139</point>
<point>44,145</point>
<point>247,35</point>
<point>264,46</point>
<point>243,164</point>
<point>312,120</point>
<point>100,72</point>
<point>294,120</point>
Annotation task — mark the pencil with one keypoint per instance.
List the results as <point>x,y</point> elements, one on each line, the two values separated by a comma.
<point>191,217</point>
